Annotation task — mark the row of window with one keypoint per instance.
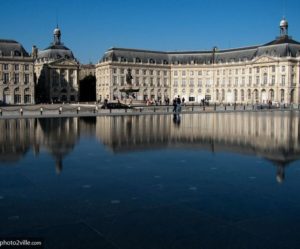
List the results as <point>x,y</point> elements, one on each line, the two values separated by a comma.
<point>140,71</point>
<point>237,81</point>
<point>138,60</point>
<point>17,99</point>
<point>15,79</point>
<point>220,94</point>
<point>230,71</point>
<point>16,67</point>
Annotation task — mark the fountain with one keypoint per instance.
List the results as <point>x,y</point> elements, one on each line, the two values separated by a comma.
<point>129,89</point>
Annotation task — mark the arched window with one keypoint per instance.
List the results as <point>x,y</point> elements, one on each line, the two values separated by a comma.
<point>242,95</point>
<point>235,95</point>
<point>249,94</point>
<point>265,78</point>
<point>271,94</point>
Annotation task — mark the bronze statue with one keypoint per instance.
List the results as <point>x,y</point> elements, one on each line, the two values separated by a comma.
<point>129,77</point>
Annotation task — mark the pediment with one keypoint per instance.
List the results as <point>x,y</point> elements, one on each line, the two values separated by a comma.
<point>63,62</point>
<point>264,59</point>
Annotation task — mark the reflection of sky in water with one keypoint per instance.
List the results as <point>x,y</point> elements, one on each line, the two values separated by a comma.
<point>146,182</point>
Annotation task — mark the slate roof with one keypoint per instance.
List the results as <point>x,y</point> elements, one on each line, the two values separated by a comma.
<point>280,47</point>
<point>56,51</point>
<point>7,47</point>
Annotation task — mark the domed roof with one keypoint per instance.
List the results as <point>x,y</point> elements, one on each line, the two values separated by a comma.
<point>56,50</point>
<point>283,23</point>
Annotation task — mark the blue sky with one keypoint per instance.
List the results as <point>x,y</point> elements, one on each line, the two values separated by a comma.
<point>89,27</point>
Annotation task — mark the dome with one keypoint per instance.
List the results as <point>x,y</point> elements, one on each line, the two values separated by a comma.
<point>283,23</point>
<point>56,52</point>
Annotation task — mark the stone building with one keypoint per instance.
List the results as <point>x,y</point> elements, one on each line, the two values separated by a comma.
<point>57,72</point>
<point>16,74</point>
<point>256,74</point>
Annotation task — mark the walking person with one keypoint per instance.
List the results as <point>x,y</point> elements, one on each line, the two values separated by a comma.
<point>174,104</point>
<point>178,104</point>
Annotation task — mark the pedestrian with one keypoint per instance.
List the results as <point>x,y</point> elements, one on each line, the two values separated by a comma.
<point>178,104</point>
<point>174,104</point>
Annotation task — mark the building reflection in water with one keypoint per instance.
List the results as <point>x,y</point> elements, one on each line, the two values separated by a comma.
<point>271,135</point>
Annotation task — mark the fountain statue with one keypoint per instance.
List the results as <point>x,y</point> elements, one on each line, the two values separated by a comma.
<point>128,89</point>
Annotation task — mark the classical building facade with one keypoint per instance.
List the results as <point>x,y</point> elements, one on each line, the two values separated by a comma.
<point>257,74</point>
<point>16,74</point>
<point>57,72</point>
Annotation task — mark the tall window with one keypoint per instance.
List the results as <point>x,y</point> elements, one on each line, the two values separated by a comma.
<point>26,67</point>
<point>122,80</point>
<point>151,82</point>
<point>273,69</point>
<point>236,81</point>
<point>242,95</point>
<point>16,78</point>
<point>235,95</point>
<point>26,81</point>
<point>256,95</point>
<point>265,78</point>
<point>158,81</point>
<point>5,66</point>
<point>16,67</point>
<point>5,78</point>
<point>137,81</point>
<point>183,73</point>
<point>282,95</point>
<point>175,73</point>
<point>199,83</point>
<point>115,80</point>
<point>273,79</point>
<point>257,80</point>
<point>191,82</point>
<point>27,98</point>
<point>165,82</point>
<point>223,94</point>
<point>283,80</point>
